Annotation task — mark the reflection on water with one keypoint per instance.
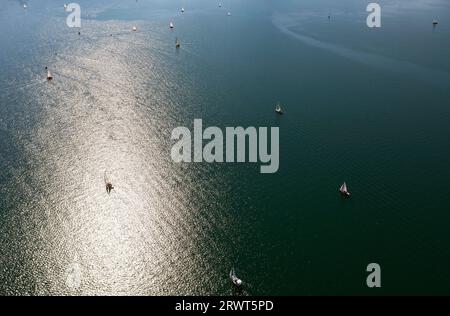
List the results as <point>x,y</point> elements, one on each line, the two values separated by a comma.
<point>115,97</point>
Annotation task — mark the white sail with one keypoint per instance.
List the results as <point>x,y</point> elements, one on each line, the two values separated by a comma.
<point>278,108</point>
<point>234,278</point>
<point>343,189</point>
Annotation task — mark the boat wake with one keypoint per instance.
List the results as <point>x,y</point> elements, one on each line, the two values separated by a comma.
<point>285,24</point>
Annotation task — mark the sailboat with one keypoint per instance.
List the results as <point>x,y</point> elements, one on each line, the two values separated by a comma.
<point>109,187</point>
<point>182,9</point>
<point>171,25</point>
<point>108,184</point>
<point>435,22</point>
<point>177,43</point>
<point>278,108</point>
<point>49,75</point>
<point>234,279</point>
<point>134,28</point>
<point>343,189</point>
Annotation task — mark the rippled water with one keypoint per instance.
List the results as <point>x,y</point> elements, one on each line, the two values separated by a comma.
<point>366,106</point>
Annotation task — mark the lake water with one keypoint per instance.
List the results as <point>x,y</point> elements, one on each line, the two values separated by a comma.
<point>365,106</point>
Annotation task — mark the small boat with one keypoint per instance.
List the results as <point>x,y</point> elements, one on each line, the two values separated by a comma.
<point>229,13</point>
<point>108,184</point>
<point>134,28</point>
<point>234,279</point>
<point>182,9</point>
<point>220,5</point>
<point>435,22</point>
<point>343,189</point>
<point>278,108</point>
<point>177,43</point>
<point>65,5</point>
<point>25,6</point>
<point>49,75</point>
<point>171,25</point>
<point>109,187</point>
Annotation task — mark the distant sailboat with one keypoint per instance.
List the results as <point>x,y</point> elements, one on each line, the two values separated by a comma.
<point>229,13</point>
<point>234,279</point>
<point>108,184</point>
<point>343,189</point>
<point>134,28</point>
<point>278,108</point>
<point>182,9</point>
<point>109,187</point>
<point>435,22</point>
<point>177,43</point>
<point>171,25</point>
<point>25,6</point>
<point>49,74</point>
<point>220,5</point>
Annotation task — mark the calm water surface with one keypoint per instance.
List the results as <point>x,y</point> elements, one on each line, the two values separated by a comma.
<point>366,106</point>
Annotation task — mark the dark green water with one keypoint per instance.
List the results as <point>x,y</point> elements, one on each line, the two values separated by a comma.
<point>365,106</point>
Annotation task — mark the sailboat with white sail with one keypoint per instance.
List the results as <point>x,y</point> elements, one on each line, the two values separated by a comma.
<point>234,279</point>
<point>278,108</point>
<point>49,74</point>
<point>344,190</point>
